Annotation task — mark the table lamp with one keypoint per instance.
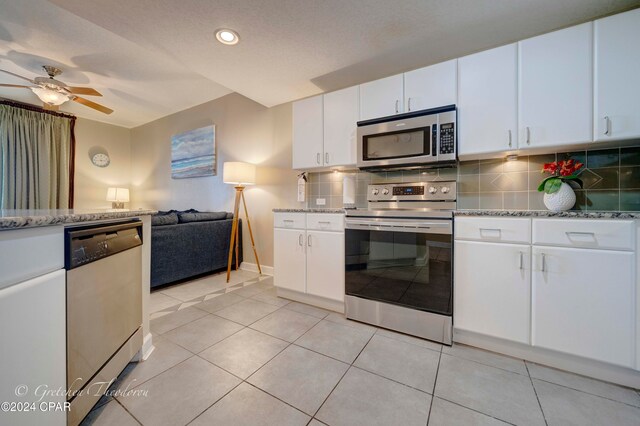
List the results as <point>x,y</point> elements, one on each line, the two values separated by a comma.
<point>239,174</point>
<point>118,196</point>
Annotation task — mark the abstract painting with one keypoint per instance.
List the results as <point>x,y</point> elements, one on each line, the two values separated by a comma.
<point>193,153</point>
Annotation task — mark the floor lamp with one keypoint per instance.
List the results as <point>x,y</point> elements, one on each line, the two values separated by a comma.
<point>240,175</point>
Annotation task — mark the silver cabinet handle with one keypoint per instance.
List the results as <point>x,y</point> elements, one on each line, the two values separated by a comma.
<point>570,233</point>
<point>607,127</point>
<point>510,141</point>
<point>324,221</point>
<point>521,260</point>
<point>300,240</point>
<point>528,135</point>
<point>318,158</point>
<point>544,262</point>
<point>397,102</point>
<point>288,220</point>
<point>309,240</point>
<point>326,157</point>
<point>408,105</point>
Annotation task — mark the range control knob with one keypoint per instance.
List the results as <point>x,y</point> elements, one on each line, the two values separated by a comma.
<point>433,190</point>
<point>375,191</point>
<point>445,189</point>
<point>385,191</point>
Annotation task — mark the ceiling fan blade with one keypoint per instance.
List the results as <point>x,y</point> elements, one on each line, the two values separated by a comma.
<point>90,104</point>
<point>16,75</point>
<point>48,107</point>
<point>16,86</point>
<point>87,91</point>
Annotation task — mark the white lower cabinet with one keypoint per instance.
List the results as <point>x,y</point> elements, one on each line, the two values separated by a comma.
<point>492,289</point>
<point>309,259</point>
<point>325,264</point>
<point>289,258</point>
<point>562,287</point>
<point>584,303</point>
<point>33,350</point>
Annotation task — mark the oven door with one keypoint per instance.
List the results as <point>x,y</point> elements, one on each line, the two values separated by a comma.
<point>401,262</point>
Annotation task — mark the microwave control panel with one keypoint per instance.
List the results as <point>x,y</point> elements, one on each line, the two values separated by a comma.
<point>447,138</point>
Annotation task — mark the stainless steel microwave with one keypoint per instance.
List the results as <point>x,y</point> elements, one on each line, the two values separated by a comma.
<point>417,139</point>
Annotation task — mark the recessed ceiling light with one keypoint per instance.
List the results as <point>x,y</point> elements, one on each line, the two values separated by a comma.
<point>227,36</point>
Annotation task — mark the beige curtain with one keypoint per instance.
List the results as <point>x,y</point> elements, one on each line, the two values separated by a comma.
<point>36,163</point>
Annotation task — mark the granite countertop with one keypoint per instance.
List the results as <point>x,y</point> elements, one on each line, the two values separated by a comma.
<point>546,213</point>
<point>16,219</point>
<point>309,210</point>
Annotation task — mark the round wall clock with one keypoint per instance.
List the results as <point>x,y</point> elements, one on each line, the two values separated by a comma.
<point>100,160</point>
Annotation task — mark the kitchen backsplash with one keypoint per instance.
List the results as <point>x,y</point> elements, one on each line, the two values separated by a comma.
<point>611,181</point>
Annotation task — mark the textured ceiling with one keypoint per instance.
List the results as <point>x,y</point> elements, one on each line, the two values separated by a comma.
<point>154,57</point>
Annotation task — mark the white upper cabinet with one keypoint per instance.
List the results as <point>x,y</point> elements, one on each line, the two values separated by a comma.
<point>430,87</point>
<point>555,99</point>
<point>488,101</point>
<point>617,77</point>
<point>381,98</point>
<point>340,117</point>
<point>308,133</point>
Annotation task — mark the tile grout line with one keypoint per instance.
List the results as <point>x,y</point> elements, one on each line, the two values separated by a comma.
<point>536,394</point>
<point>433,393</point>
<point>475,410</point>
<point>125,409</point>
<point>342,377</point>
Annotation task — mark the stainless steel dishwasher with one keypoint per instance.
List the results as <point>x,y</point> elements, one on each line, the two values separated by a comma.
<point>104,308</point>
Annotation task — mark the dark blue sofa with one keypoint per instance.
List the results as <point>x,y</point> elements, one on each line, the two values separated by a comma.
<point>189,243</point>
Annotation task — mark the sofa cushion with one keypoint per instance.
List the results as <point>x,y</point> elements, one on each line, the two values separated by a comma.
<point>164,218</point>
<point>185,217</point>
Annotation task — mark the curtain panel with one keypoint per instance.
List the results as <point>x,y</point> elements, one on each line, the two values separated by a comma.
<point>36,158</point>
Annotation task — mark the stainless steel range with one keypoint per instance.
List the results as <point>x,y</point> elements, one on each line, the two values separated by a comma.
<point>399,255</point>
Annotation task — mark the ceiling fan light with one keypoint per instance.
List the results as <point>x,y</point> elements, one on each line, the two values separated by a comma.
<point>50,97</point>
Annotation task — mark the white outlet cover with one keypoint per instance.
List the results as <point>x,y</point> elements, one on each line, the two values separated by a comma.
<point>321,201</point>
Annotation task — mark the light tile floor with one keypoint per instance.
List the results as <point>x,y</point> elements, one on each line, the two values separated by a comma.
<point>236,354</point>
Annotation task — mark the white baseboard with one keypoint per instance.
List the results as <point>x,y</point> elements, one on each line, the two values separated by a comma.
<point>252,267</point>
<point>147,348</point>
<point>586,367</point>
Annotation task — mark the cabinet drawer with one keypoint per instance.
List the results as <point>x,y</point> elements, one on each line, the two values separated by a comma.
<point>289,220</point>
<point>505,230</point>
<point>587,233</point>
<point>325,222</point>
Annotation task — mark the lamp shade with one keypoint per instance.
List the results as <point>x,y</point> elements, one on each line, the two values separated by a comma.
<point>238,173</point>
<point>119,195</point>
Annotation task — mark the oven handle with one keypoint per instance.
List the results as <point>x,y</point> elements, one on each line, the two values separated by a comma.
<point>421,227</point>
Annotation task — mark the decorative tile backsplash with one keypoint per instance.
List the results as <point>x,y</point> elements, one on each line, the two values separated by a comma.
<point>611,182</point>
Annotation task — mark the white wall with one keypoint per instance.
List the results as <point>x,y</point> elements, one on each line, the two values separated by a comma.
<point>245,131</point>
<point>91,182</point>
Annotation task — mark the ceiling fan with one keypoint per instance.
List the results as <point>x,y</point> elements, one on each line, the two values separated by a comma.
<point>54,92</point>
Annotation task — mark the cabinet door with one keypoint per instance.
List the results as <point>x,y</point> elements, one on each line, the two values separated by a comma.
<point>617,80</point>
<point>33,350</point>
<point>289,259</point>
<point>488,101</point>
<point>307,133</point>
<point>325,264</point>
<point>431,87</point>
<point>555,99</point>
<point>340,117</point>
<point>583,303</point>
<point>492,289</point>
<point>381,98</point>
